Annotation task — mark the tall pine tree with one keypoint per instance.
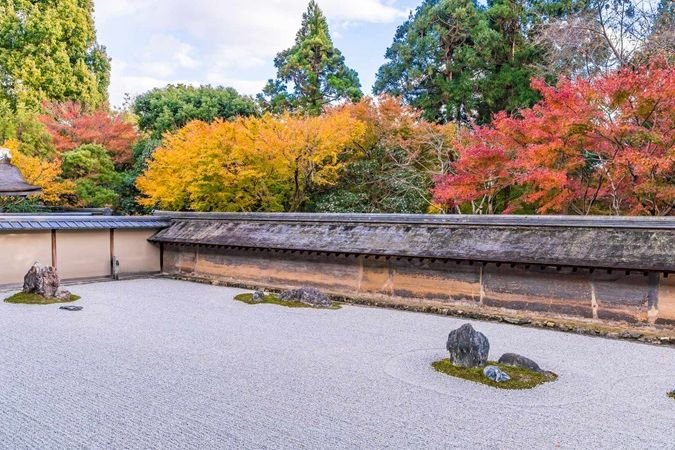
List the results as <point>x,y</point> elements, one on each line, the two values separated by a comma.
<point>48,51</point>
<point>459,60</point>
<point>312,73</point>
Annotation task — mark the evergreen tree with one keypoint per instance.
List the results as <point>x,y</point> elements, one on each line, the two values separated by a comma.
<point>169,108</point>
<point>460,61</point>
<point>312,73</point>
<point>48,52</point>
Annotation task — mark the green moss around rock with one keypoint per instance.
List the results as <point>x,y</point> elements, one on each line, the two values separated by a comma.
<point>272,299</point>
<point>36,299</point>
<point>520,378</point>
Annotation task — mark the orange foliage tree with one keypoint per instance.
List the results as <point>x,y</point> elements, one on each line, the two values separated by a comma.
<point>598,146</point>
<point>43,173</point>
<point>70,126</point>
<point>249,164</point>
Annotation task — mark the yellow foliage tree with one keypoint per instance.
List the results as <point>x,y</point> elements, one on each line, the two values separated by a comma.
<point>43,173</point>
<point>250,164</point>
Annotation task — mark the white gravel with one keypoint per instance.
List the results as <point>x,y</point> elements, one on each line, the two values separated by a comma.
<point>169,364</point>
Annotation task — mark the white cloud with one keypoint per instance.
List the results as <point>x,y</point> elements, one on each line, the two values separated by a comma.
<point>234,41</point>
<point>107,9</point>
<point>246,87</point>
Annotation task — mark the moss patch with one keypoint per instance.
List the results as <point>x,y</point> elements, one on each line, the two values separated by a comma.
<point>671,394</point>
<point>520,378</point>
<point>275,300</point>
<point>36,299</point>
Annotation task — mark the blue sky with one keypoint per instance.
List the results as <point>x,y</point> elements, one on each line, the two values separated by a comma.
<point>232,42</point>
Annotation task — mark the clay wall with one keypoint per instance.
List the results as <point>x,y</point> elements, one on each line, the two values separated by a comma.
<point>601,294</point>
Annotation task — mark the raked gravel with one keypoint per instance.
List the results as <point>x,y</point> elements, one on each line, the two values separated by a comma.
<point>157,363</point>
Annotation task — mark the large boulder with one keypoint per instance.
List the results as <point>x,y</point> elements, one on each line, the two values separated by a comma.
<point>468,347</point>
<point>516,360</point>
<point>308,295</point>
<point>42,280</point>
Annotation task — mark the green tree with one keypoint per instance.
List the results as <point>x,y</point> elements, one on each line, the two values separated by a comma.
<point>172,107</point>
<point>96,182</point>
<point>48,51</point>
<point>312,73</point>
<point>460,61</point>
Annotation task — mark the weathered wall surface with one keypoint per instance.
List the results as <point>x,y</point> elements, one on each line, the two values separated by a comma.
<point>667,300</point>
<point>583,293</point>
<point>18,252</point>
<point>606,268</point>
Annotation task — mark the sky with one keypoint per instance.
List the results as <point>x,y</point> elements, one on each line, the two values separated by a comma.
<point>153,43</point>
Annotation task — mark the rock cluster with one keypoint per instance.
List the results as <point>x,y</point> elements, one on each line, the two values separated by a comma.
<point>308,295</point>
<point>44,280</point>
<point>469,348</point>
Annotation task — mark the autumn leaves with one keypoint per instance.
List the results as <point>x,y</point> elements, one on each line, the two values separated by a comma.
<point>277,162</point>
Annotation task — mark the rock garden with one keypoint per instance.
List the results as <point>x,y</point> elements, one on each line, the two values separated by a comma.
<point>305,297</point>
<point>469,350</point>
<point>41,286</point>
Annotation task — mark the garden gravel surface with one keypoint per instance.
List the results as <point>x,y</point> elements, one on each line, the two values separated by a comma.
<point>157,363</point>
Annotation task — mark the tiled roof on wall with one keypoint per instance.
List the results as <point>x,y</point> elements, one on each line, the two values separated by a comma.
<point>598,242</point>
<point>78,222</point>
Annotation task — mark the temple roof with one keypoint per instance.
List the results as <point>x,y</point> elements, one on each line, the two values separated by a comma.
<point>12,182</point>
<point>637,243</point>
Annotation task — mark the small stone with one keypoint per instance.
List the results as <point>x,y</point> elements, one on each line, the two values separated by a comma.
<point>550,324</point>
<point>496,374</point>
<point>71,308</point>
<point>62,294</point>
<point>258,297</point>
<point>468,347</point>
<point>308,295</point>
<point>516,360</point>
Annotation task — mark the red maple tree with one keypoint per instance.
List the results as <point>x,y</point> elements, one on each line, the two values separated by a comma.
<point>71,126</point>
<point>600,146</point>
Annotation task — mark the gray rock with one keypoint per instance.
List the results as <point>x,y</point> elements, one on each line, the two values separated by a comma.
<point>71,308</point>
<point>516,360</point>
<point>42,280</point>
<point>468,347</point>
<point>62,294</point>
<point>496,374</point>
<point>258,297</point>
<point>308,295</point>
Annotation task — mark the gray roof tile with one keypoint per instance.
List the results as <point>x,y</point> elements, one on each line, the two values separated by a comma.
<point>75,222</point>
